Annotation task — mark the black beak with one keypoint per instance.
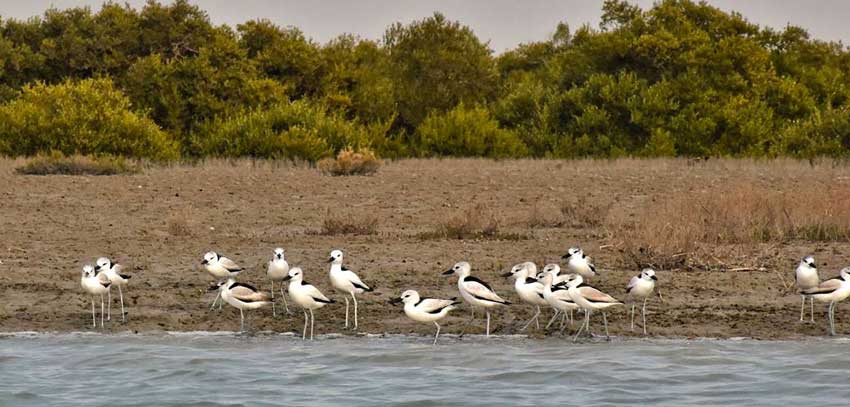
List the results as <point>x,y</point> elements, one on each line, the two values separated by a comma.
<point>508,274</point>
<point>330,260</point>
<point>654,278</point>
<point>212,288</point>
<point>287,278</point>
<point>566,256</point>
<point>96,268</point>
<point>204,261</point>
<point>448,272</point>
<point>396,300</point>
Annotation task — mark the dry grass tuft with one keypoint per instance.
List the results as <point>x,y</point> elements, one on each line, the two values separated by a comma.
<point>349,162</point>
<point>668,233</point>
<point>178,224</point>
<point>59,164</point>
<point>347,224</point>
<point>582,213</point>
<point>476,222</point>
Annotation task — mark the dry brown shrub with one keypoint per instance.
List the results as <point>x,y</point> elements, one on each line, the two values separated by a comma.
<point>475,222</point>
<point>178,224</point>
<point>669,232</point>
<point>350,162</point>
<point>583,213</point>
<point>348,224</point>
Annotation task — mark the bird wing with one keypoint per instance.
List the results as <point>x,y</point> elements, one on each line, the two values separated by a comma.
<point>230,265</point>
<point>317,295</point>
<point>433,305</point>
<point>247,293</point>
<point>594,295</point>
<point>825,287</point>
<point>632,283</point>
<point>481,290</point>
<point>355,280</point>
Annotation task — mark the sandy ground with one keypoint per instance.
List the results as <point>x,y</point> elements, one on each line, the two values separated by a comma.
<point>159,223</point>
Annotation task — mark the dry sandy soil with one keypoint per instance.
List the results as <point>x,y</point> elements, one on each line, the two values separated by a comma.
<point>159,223</point>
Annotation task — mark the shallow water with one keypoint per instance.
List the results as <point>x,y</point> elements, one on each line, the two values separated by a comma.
<point>229,370</point>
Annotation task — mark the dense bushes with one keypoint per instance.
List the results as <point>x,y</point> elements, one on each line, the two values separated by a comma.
<point>85,117</point>
<point>299,129</point>
<point>469,132</point>
<point>680,78</point>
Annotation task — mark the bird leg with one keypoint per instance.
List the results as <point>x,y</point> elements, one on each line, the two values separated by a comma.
<point>312,322</point>
<point>93,318</point>
<point>534,318</point>
<point>304,335</point>
<point>242,319</point>
<point>580,328</point>
<point>802,307</point>
<point>437,335</point>
<point>644,315</point>
<point>488,323</point>
<point>346,312</point>
<point>101,310</point>
<point>812,314</point>
<point>555,315</point>
<point>121,295</point>
<point>109,305</point>
<point>285,305</point>
<point>605,319</point>
<point>353,298</point>
<point>274,311</point>
<point>633,317</point>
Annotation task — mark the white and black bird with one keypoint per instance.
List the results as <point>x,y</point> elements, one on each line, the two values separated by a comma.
<point>832,291</point>
<point>579,263</point>
<point>556,293</point>
<point>221,268</point>
<point>641,287</point>
<point>528,289</point>
<point>346,282</point>
<point>806,277</point>
<point>277,271</point>
<point>425,309</point>
<point>94,284</point>
<point>306,296</point>
<point>113,273</point>
<point>589,299</point>
<point>474,291</point>
<point>241,296</point>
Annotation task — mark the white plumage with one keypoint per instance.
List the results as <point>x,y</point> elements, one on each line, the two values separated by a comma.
<point>425,309</point>
<point>94,284</point>
<point>806,277</point>
<point>640,288</point>
<point>308,297</point>
<point>474,291</point>
<point>277,271</point>
<point>528,288</point>
<point>346,282</point>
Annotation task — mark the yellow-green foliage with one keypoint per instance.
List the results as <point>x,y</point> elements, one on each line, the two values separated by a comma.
<point>84,117</point>
<point>466,132</point>
<point>287,130</point>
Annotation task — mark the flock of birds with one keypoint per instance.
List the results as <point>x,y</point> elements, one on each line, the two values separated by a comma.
<point>564,293</point>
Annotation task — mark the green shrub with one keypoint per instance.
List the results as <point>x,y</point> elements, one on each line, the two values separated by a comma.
<point>56,163</point>
<point>89,117</point>
<point>287,130</point>
<point>466,132</point>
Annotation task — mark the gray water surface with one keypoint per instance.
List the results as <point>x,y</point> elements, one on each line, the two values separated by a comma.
<point>230,370</point>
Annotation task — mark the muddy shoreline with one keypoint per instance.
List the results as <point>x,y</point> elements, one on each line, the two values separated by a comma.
<point>159,223</point>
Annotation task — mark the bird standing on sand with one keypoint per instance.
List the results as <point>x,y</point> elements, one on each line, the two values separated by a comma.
<point>806,277</point>
<point>425,309</point>
<point>474,291</point>
<point>241,296</point>
<point>221,268</point>
<point>112,272</point>
<point>277,271</point>
<point>528,289</point>
<point>640,288</point>
<point>590,299</point>
<point>832,291</point>
<point>346,282</point>
<point>94,285</point>
<point>579,263</point>
<point>556,294</point>
<point>307,297</point>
